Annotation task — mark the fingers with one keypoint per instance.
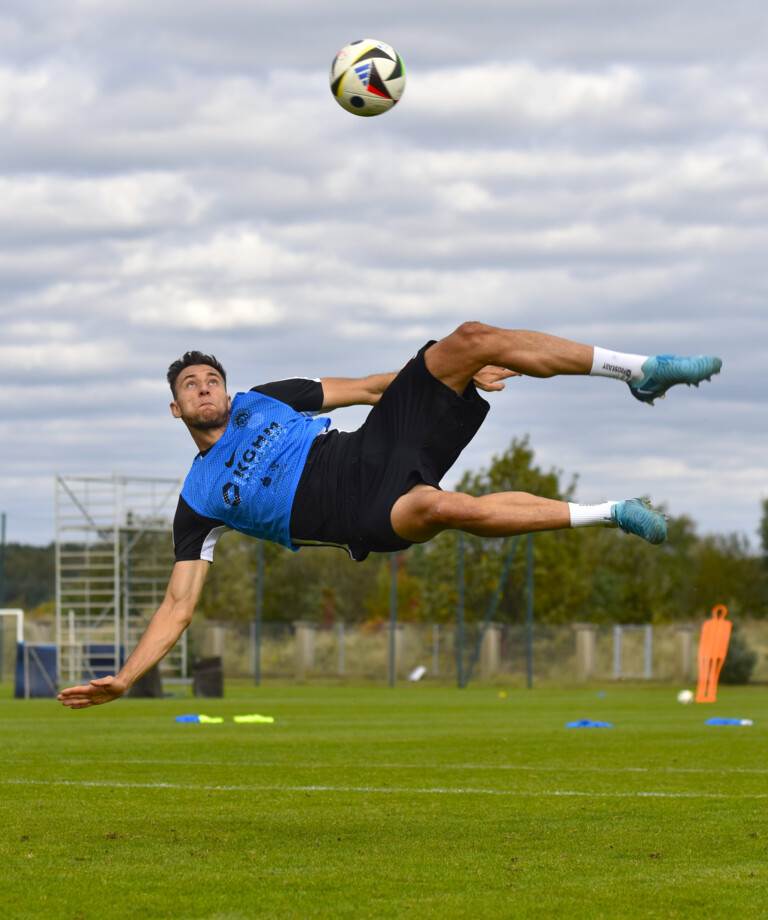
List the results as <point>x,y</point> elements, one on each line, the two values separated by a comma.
<point>95,693</point>
<point>71,701</point>
<point>489,378</point>
<point>77,704</point>
<point>73,692</point>
<point>86,689</point>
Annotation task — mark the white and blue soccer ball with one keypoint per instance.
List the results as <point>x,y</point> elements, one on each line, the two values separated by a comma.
<point>685,697</point>
<point>367,77</point>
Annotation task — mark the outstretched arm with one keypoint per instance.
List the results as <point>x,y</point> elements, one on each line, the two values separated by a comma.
<point>162,633</point>
<point>339,392</point>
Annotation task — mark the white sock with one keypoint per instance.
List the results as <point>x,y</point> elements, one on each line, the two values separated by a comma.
<point>590,515</point>
<point>615,364</point>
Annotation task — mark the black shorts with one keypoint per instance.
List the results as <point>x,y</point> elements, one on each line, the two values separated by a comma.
<point>414,434</point>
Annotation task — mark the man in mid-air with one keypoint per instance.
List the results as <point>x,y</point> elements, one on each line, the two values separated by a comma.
<point>269,467</point>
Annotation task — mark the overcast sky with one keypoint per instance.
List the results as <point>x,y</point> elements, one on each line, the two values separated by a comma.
<point>177,175</point>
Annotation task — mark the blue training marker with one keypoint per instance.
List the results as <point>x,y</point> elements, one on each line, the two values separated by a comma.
<point>588,723</point>
<point>729,722</point>
<point>199,718</point>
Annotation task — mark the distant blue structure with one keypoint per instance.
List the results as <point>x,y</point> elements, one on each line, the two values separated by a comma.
<point>36,670</point>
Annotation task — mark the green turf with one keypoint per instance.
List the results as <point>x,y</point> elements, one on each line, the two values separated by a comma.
<point>378,803</point>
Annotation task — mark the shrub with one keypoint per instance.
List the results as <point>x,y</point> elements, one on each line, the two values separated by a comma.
<point>740,661</point>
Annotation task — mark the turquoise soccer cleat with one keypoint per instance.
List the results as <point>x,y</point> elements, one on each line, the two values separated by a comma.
<point>664,371</point>
<point>636,517</point>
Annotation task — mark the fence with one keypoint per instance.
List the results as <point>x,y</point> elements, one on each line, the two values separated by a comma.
<point>562,654</point>
<point>557,654</point>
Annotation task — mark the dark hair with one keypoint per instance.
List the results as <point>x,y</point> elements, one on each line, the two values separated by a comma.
<point>187,360</point>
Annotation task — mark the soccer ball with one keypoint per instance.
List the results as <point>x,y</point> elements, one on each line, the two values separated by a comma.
<point>367,77</point>
<point>685,697</point>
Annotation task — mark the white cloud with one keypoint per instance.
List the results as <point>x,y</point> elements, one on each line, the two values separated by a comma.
<point>55,206</point>
<point>240,253</point>
<point>43,98</point>
<point>180,309</point>
<point>63,359</point>
<point>523,91</point>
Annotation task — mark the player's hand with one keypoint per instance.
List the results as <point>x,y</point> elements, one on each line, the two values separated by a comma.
<point>489,377</point>
<point>103,690</point>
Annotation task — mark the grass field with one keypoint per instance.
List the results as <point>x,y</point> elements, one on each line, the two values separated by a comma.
<point>377,803</point>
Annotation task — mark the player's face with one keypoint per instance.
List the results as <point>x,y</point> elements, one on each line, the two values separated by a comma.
<point>201,398</point>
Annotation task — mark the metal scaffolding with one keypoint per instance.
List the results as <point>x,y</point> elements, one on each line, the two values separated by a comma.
<point>114,556</point>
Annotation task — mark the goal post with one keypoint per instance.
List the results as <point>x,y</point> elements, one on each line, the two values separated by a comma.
<point>11,634</point>
<point>31,666</point>
<point>18,614</point>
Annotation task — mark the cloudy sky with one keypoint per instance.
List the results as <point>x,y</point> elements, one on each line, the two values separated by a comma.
<point>177,175</point>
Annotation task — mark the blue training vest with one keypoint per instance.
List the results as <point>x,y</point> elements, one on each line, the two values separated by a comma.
<point>249,477</point>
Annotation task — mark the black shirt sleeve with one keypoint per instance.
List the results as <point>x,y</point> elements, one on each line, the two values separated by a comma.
<point>302,394</point>
<point>194,535</point>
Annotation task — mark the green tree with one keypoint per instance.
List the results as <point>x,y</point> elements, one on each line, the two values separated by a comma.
<point>726,571</point>
<point>30,575</point>
<point>410,591</point>
<point>512,471</point>
<point>740,661</point>
<point>229,592</point>
<point>624,580</point>
<point>318,583</point>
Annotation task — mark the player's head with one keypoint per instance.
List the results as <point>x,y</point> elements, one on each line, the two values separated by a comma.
<point>191,359</point>
<point>199,386</point>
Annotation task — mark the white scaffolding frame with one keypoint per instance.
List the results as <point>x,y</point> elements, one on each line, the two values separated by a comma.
<point>113,560</point>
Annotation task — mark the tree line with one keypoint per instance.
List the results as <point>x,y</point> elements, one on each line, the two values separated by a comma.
<point>593,574</point>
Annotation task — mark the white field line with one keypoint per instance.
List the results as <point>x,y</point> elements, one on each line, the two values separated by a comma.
<point>376,790</point>
<point>278,765</point>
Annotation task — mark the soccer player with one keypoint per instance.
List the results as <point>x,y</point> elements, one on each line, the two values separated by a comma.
<point>268,467</point>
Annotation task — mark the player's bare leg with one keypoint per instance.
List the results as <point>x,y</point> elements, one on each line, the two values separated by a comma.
<point>424,512</point>
<point>459,356</point>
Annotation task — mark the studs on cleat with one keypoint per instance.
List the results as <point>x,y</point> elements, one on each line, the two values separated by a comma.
<point>664,371</point>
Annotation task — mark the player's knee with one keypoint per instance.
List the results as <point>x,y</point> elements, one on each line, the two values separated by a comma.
<point>424,514</point>
<point>474,337</point>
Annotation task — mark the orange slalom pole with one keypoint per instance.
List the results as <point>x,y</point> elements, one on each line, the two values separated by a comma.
<point>713,647</point>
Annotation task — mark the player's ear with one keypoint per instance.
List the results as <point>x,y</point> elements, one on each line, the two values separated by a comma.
<point>175,410</point>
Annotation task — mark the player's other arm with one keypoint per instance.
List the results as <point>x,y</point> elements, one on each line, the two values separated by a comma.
<point>366,391</point>
<point>166,626</point>
<point>339,392</point>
